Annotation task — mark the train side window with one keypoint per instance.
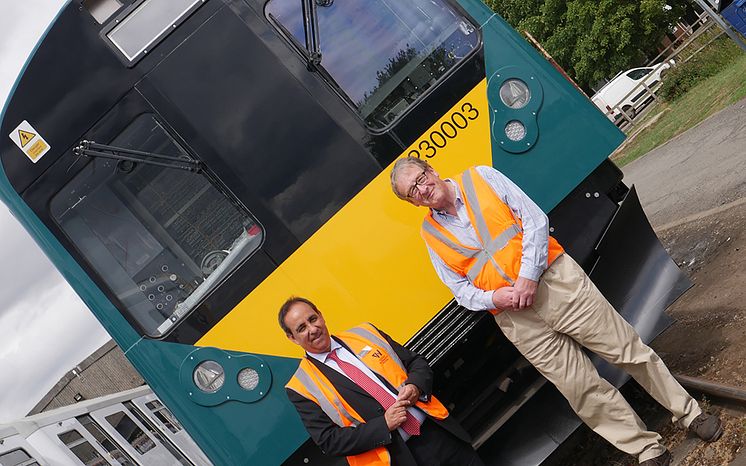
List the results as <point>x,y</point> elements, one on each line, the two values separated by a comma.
<point>104,440</point>
<point>101,10</point>
<point>175,453</point>
<point>384,54</point>
<point>164,416</point>
<point>82,450</point>
<point>131,432</point>
<point>17,457</point>
<point>161,238</point>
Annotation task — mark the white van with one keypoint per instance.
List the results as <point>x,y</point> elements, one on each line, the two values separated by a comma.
<point>616,93</point>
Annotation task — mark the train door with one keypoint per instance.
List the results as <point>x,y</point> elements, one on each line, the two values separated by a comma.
<point>162,418</point>
<point>135,438</point>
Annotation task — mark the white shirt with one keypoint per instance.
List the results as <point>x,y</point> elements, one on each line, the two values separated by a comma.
<point>346,356</point>
<point>535,238</point>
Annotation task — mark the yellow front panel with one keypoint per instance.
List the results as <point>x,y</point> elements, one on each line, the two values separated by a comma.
<point>368,262</point>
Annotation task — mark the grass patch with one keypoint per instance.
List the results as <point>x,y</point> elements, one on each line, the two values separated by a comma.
<point>701,100</point>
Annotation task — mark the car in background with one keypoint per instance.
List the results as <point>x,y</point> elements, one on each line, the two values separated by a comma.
<point>618,93</point>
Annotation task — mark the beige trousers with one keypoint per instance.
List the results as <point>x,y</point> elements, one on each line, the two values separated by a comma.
<point>570,313</point>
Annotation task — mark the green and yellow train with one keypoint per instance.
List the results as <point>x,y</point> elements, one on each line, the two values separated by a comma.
<point>189,164</point>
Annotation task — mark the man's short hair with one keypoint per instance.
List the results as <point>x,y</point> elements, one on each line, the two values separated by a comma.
<point>285,308</point>
<point>399,165</point>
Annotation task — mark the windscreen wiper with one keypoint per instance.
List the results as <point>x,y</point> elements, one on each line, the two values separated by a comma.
<point>94,149</point>
<point>311,28</point>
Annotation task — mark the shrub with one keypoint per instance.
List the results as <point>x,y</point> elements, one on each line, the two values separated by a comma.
<point>706,63</point>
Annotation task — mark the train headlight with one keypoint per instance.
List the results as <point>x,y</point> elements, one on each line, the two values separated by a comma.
<point>248,378</point>
<point>209,376</point>
<point>515,131</point>
<point>515,94</point>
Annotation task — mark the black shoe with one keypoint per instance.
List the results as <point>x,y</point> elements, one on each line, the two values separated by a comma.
<point>707,427</point>
<point>660,460</point>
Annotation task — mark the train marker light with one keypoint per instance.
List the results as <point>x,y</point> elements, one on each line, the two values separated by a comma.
<point>515,131</point>
<point>248,378</point>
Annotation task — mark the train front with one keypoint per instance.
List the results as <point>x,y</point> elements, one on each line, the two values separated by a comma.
<point>188,165</point>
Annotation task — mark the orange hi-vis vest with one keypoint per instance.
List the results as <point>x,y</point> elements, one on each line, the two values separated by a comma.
<point>367,343</point>
<point>497,262</point>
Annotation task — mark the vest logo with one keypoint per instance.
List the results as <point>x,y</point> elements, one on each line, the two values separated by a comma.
<point>381,357</point>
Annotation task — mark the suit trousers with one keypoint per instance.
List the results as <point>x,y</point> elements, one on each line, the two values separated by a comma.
<point>435,446</point>
<point>570,313</point>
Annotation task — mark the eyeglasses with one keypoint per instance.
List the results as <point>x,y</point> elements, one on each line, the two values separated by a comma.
<point>414,191</point>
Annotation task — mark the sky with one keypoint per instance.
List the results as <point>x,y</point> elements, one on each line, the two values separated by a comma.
<point>45,330</point>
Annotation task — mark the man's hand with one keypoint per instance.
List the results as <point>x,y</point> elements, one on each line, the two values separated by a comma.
<point>409,393</point>
<point>524,292</point>
<point>502,298</point>
<point>396,414</point>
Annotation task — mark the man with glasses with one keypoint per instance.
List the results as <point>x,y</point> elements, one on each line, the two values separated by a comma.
<point>490,244</point>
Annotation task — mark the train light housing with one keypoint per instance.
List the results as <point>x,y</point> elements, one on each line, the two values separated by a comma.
<point>211,376</point>
<point>515,96</point>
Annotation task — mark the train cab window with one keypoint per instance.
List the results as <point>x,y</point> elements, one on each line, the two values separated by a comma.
<point>161,238</point>
<point>17,457</point>
<point>82,450</point>
<point>384,54</point>
<point>131,432</point>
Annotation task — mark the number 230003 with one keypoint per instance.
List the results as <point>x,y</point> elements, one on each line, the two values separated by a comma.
<point>438,138</point>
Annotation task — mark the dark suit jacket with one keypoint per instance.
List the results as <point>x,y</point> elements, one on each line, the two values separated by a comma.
<point>344,441</point>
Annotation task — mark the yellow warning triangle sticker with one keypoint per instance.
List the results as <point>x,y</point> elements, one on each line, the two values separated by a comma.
<point>25,136</point>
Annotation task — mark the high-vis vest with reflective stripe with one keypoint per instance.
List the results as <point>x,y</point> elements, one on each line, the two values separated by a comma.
<point>376,353</point>
<point>497,262</point>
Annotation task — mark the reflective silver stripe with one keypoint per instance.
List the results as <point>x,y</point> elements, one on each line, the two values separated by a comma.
<point>466,252</point>
<point>473,202</point>
<point>503,238</point>
<point>479,265</point>
<point>334,414</point>
<point>487,255</point>
<point>501,272</point>
<point>370,336</point>
<point>492,245</point>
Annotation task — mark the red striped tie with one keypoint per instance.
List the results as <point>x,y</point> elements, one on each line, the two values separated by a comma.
<point>411,425</point>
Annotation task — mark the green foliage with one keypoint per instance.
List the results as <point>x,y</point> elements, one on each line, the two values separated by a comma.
<point>706,63</point>
<point>592,39</point>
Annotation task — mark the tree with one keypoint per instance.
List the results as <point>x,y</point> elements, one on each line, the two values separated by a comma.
<point>592,39</point>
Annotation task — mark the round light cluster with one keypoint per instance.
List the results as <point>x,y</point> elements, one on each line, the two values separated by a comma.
<point>515,131</point>
<point>248,379</point>
<point>515,93</point>
<point>209,376</point>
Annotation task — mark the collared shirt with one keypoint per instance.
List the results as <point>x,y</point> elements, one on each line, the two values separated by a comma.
<point>535,238</point>
<point>346,356</point>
